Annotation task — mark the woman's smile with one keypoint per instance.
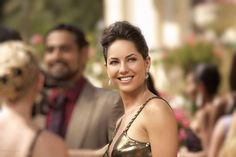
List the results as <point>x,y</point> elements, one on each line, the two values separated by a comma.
<point>125,79</point>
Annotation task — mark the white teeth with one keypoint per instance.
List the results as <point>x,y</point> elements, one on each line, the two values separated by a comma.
<point>126,78</point>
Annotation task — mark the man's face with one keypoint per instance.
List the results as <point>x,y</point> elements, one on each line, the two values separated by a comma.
<point>62,59</point>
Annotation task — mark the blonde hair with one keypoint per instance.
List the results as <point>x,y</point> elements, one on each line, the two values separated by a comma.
<point>19,70</point>
<point>228,148</point>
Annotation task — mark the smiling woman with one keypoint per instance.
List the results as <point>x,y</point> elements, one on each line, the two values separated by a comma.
<point>125,66</point>
<point>148,124</point>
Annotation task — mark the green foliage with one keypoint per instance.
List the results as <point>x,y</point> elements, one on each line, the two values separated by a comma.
<point>33,16</point>
<point>2,3</point>
<point>36,17</point>
<point>189,55</point>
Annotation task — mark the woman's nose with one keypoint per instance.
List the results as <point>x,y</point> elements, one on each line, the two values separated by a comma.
<point>124,68</point>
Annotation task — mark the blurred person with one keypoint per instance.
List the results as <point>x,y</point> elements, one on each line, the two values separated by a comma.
<point>228,147</point>
<point>74,109</point>
<point>20,137</point>
<point>148,126</point>
<point>227,104</point>
<point>7,34</point>
<point>219,135</point>
<point>202,85</point>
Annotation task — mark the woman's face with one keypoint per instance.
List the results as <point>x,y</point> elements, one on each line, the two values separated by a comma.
<point>191,87</point>
<point>125,66</point>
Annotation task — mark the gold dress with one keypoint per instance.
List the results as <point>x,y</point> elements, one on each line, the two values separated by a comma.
<point>128,147</point>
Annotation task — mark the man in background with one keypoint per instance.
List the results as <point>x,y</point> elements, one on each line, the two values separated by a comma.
<point>82,114</point>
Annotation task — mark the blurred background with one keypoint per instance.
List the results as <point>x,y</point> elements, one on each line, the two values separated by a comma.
<point>180,33</point>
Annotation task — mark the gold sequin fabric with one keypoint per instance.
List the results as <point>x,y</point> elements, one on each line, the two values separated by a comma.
<point>127,147</point>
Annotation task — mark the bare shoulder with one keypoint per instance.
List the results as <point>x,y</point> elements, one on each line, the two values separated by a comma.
<point>158,106</point>
<point>160,125</point>
<point>159,111</point>
<point>49,145</point>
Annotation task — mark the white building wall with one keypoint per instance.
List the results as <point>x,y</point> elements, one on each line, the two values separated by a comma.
<point>163,23</point>
<point>141,13</point>
<point>113,11</point>
<point>144,15</point>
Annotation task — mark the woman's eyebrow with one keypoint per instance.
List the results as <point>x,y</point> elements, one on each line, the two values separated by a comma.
<point>130,55</point>
<point>114,58</point>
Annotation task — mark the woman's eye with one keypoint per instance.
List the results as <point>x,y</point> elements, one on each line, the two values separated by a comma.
<point>113,62</point>
<point>132,59</point>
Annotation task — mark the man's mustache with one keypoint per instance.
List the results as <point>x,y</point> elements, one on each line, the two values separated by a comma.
<point>59,61</point>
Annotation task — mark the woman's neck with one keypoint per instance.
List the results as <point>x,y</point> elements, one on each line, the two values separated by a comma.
<point>207,100</point>
<point>20,110</point>
<point>135,98</point>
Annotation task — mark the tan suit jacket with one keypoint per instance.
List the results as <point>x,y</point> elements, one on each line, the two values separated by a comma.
<point>93,120</point>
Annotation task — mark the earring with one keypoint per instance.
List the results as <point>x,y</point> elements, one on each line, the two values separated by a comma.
<point>109,82</point>
<point>199,100</point>
<point>147,75</point>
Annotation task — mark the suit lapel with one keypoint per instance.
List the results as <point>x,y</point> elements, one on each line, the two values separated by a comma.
<point>80,118</point>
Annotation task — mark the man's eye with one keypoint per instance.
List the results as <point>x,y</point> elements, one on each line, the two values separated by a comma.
<point>49,49</point>
<point>65,48</point>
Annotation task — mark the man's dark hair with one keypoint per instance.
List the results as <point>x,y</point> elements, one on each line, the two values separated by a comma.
<point>79,34</point>
<point>7,34</point>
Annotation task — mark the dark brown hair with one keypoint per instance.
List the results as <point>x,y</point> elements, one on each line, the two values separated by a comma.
<point>124,30</point>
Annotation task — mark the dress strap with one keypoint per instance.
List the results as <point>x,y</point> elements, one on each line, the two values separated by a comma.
<point>34,141</point>
<point>127,128</point>
<point>117,127</point>
<point>137,113</point>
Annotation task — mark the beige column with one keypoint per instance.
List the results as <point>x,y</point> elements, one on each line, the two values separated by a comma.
<point>176,21</point>
<point>143,14</point>
<point>113,11</point>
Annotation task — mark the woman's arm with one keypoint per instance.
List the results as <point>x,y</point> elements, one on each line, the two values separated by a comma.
<point>217,138</point>
<point>50,145</point>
